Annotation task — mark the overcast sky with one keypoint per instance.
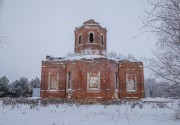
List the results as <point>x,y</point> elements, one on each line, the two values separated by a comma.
<point>36,28</point>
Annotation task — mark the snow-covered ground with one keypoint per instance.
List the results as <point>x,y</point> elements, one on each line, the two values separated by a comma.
<point>95,114</point>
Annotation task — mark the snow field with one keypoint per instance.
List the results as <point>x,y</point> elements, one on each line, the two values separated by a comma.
<point>95,114</point>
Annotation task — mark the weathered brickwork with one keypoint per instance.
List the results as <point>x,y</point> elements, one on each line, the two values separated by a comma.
<point>135,68</point>
<point>98,37</point>
<point>91,78</point>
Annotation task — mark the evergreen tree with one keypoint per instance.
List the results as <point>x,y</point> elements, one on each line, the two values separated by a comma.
<point>4,84</point>
<point>35,83</point>
<point>20,87</point>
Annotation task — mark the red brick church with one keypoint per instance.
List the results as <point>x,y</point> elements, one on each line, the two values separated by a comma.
<point>89,73</point>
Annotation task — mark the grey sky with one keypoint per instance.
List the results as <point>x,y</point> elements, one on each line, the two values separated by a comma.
<point>39,27</point>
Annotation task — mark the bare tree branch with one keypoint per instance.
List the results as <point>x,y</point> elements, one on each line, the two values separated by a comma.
<point>164,21</point>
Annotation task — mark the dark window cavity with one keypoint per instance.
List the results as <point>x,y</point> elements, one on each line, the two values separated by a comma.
<point>91,37</point>
<point>116,81</point>
<point>69,80</point>
<point>79,39</point>
<point>102,39</point>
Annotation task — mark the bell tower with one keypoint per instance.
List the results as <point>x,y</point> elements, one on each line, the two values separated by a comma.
<point>90,36</point>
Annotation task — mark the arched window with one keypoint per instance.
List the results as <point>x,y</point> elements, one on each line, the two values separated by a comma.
<point>91,37</point>
<point>102,39</point>
<point>79,39</point>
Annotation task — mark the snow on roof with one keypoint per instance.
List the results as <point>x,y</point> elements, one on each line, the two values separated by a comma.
<point>90,56</point>
<point>93,54</point>
<point>78,57</point>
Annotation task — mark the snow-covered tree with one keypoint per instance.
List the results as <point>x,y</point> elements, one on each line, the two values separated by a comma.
<point>20,87</point>
<point>164,21</point>
<point>35,83</point>
<point>174,91</point>
<point>4,84</point>
<point>112,54</point>
<point>156,89</point>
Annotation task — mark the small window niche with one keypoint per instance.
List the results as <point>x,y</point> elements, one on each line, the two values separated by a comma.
<point>102,39</point>
<point>79,39</point>
<point>91,37</point>
<point>69,80</point>
<point>116,81</point>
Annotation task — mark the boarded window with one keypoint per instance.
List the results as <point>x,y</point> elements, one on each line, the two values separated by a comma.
<point>93,81</point>
<point>53,79</point>
<point>130,82</point>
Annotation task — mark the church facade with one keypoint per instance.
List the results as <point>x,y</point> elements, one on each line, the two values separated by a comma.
<point>90,74</point>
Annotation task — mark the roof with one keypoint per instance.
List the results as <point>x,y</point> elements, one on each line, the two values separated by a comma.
<point>90,22</point>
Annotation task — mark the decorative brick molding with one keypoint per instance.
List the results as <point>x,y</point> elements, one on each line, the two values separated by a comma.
<point>94,78</point>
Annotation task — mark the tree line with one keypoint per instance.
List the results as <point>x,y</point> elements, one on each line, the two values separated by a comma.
<point>18,88</point>
<point>154,88</point>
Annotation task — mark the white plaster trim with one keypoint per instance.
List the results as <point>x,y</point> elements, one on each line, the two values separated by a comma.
<point>88,43</point>
<point>132,97</point>
<point>130,69</point>
<point>91,24</point>
<point>88,26</point>
<point>52,90</point>
<point>94,91</point>
<point>131,90</point>
<point>79,45</point>
<point>116,90</point>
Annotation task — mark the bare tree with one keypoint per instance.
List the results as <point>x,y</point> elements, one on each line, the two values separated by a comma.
<point>163,19</point>
<point>2,38</point>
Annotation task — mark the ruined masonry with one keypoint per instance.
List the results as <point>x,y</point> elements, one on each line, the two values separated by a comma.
<point>89,73</point>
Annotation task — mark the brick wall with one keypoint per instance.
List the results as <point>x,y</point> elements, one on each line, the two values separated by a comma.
<point>85,44</point>
<point>136,68</point>
<point>79,79</point>
<point>48,67</point>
